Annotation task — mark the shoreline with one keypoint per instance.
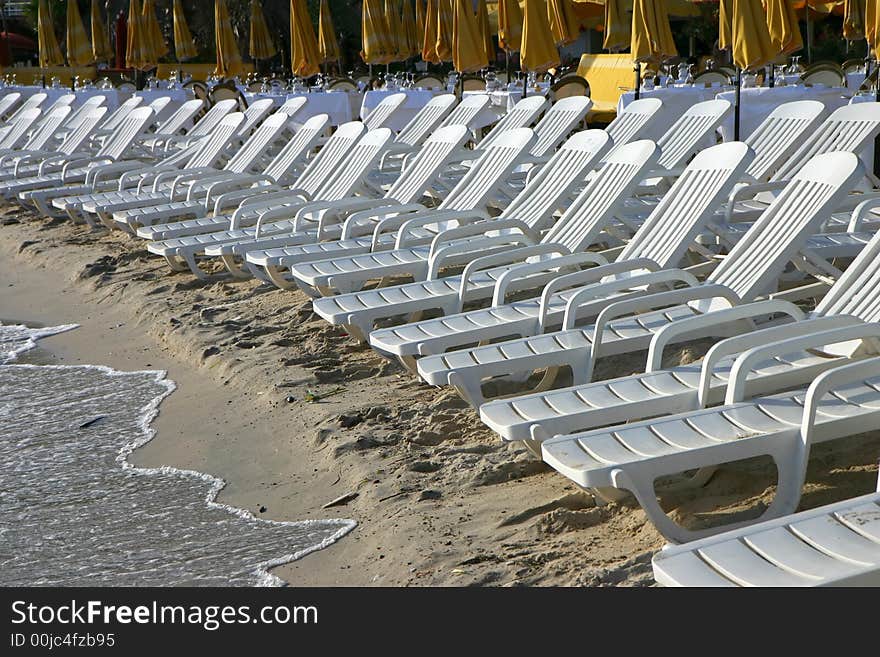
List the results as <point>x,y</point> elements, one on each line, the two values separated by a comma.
<point>440,500</point>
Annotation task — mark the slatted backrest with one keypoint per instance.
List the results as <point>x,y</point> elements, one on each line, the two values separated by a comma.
<point>331,156</point>
<point>9,101</point>
<point>686,136</point>
<point>633,122</point>
<point>78,135</point>
<point>467,111</point>
<point>557,180</point>
<point>209,150</point>
<point>754,264</point>
<point>254,148</point>
<point>850,128</point>
<point>358,163</point>
<point>292,106</point>
<point>18,128</point>
<point>31,102</point>
<point>180,118</point>
<point>523,114</point>
<point>118,115</point>
<point>380,116</point>
<point>254,115</point>
<point>781,133</point>
<point>493,166</point>
<point>857,291</point>
<point>159,104</point>
<point>689,204</point>
<point>282,167</point>
<point>562,117</point>
<point>427,164</point>
<point>138,120</point>
<point>209,121</point>
<point>49,125</point>
<point>426,120</point>
<point>79,115</point>
<point>65,100</point>
<point>594,208</point>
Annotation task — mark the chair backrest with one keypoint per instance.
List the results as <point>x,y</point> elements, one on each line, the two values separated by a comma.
<point>210,149</point>
<point>493,166</point>
<point>687,134</point>
<point>180,118</point>
<point>135,122</point>
<point>281,169</point>
<point>79,134</point>
<point>467,110</point>
<point>65,100</point>
<point>127,87</point>
<point>254,149</point>
<point>17,130</point>
<point>857,291</point>
<point>754,264</point>
<point>849,128</point>
<point>331,156</point>
<point>780,134</point>
<point>206,124</point>
<point>713,77</point>
<point>159,104</point>
<point>49,125</point>
<point>117,116</point>
<point>254,115</point>
<point>852,65</point>
<point>426,120</point>
<point>632,123</point>
<point>825,75</point>
<point>31,102</point>
<point>427,164</point>
<point>78,115</point>
<point>523,114</point>
<point>200,91</point>
<point>424,81</point>
<point>689,204</point>
<point>557,180</point>
<point>473,83</point>
<point>292,106</point>
<point>358,163</point>
<point>568,86</point>
<point>8,101</point>
<point>556,124</point>
<point>383,112</point>
<point>594,208</point>
<point>343,84</point>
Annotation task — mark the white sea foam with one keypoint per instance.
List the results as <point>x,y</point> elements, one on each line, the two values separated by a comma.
<point>76,512</point>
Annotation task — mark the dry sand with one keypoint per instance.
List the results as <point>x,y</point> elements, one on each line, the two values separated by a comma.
<point>439,499</point>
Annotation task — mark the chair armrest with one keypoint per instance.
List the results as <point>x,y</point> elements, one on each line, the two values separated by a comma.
<point>745,190</point>
<point>480,228</point>
<point>217,188</point>
<point>488,245</point>
<point>428,217</point>
<point>569,260</point>
<point>870,202</point>
<point>84,162</point>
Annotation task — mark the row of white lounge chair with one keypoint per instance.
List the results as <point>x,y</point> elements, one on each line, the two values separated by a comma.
<point>611,244</point>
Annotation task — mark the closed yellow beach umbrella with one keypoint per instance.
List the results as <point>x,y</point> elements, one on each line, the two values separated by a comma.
<point>485,30</point>
<point>50,51</point>
<point>410,31</point>
<point>101,50</point>
<point>445,18</point>
<point>562,25</point>
<point>261,44</point>
<point>537,52</point>
<point>429,43</point>
<point>395,31</point>
<point>328,46</point>
<point>420,25</point>
<point>153,33</point>
<point>468,51</point>
<point>725,29</point>
<point>854,19</point>
<point>184,47</point>
<point>782,23</point>
<point>651,36</point>
<point>228,55</point>
<point>872,26</point>
<point>617,26</point>
<point>79,50</point>
<point>752,47</point>
<point>136,54</point>
<point>304,58</point>
<point>510,25</point>
<point>375,45</point>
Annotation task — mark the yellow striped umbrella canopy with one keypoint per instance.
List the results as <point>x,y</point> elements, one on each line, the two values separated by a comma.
<point>651,37</point>
<point>420,25</point>
<point>328,46</point>
<point>854,19</point>
<point>725,28</point>
<point>782,23</point>
<point>485,30</point>
<point>510,25</point>
<point>101,50</point>
<point>228,55</point>
<point>50,51</point>
<point>617,26</point>
<point>563,25</point>
<point>260,44</point>
<point>375,42</point>
<point>184,46</point>
<point>872,27</point>
<point>468,50</point>
<point>444,30</point>
<point>154,39</point>
<point>538,51</point>
<point>304,58</point>
<point>79,50</point>
<point>429,43</point>
<point>410,31</point>
<point>395,31</point>
<point>752,46</point>
<point>136,53</point>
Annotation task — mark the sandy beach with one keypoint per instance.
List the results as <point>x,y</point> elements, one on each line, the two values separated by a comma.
<point>438,498</point>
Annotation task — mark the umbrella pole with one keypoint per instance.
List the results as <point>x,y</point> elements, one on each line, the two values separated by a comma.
<point>736,104</point>
<point>525,85</point>
<point>637,70</point>
<point>507,58</point>
<point>809,36</point>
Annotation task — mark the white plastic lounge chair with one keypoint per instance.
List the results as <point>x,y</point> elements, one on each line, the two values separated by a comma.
<point>561,246</point>
<point>751,269</point>
<point>465,202</point>
<point>345,182</point>
<point>203,127</point>
<point>115,118</point>
<point>321,167</point>
<point>528,214</point>
<point>833,545</point>
<point>384,112</point>
<point>467,111</point>
<point>42,134</point>
<point>178,121</point>
<point>17,130</point>
<point>292,106</point>
<point>8,102</point>
<point>633,122</point>
<point>33,101</point>
<point>254,116</point>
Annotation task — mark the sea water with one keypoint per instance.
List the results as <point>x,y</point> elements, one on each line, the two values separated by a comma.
<point>75,512</point>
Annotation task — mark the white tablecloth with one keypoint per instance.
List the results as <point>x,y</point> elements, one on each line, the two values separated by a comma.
<point>416,99</point>
<point>335,104</point>
<point>54,93</point>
